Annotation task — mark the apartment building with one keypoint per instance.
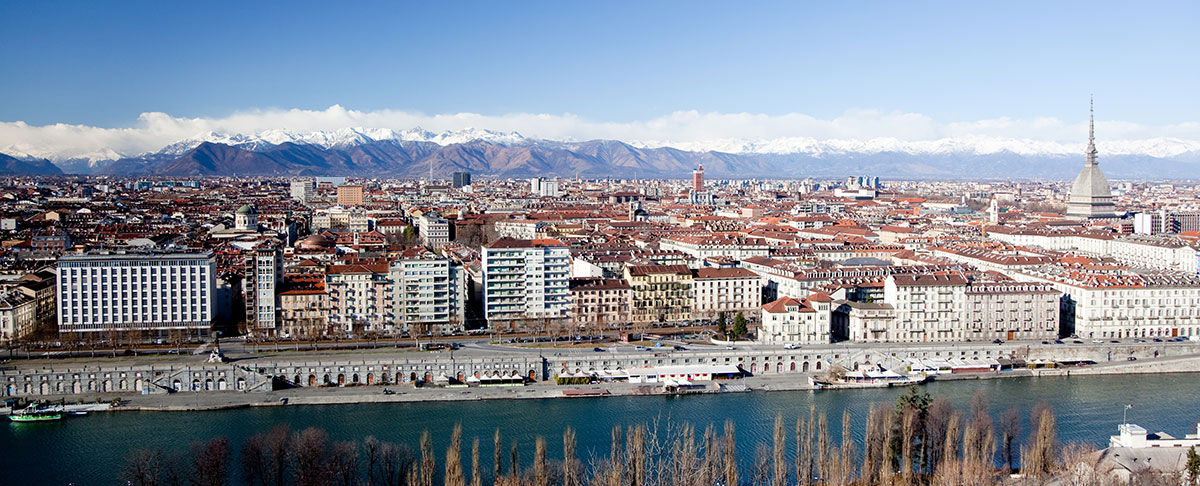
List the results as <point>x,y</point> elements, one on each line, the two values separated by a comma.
<point>429,295</point>
<point>340,219</point>
<point>303,306</point>
<point>927,306</point>
<point>151,293</point>
<point>1011,311</point>
<point>264,274</point>
<point>600,303</point>
<point>728,290</point>
<point>350,195</point>
<point>302,190</point>
<point>18,316</point>
<point>525,281</point>
<point>434,229</point>
<point>660,293</point>
<point>359,296</point>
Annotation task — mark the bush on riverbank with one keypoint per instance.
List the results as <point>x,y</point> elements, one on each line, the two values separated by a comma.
<point>917,441</point>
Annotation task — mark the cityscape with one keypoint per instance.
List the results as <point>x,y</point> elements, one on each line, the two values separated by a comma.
<point>340,296</point>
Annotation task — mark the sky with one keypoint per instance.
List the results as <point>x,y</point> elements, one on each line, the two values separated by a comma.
<point>570,69</point>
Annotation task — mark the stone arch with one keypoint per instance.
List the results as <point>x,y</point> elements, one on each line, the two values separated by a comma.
<point>412,376</point>
<point>108,386</point>
<point>818,366</point>
<point>460,377</point>
<point>428,377</point>
<point>341,379</point>
<point>312,380</point>
<point>805,367</point>
<point>370,378</point>
<point>175,385</point>
<point>241,383</point>
<point>195,385</point>
<point>793,366</point>
<point>325,380</point>
<point>222,385</point>
<point>297,381</point>
<point>45,388</point>
<point>779,367</point>
<point>138,385</point>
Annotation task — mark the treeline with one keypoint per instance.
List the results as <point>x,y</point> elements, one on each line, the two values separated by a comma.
<point>919,441</point>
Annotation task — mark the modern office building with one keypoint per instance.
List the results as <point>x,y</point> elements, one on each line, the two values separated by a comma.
<point>152,293</point>
<point>264,275</point>
<point>462,179</point>
<point>302,190</point>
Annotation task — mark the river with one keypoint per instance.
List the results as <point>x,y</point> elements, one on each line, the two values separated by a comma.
<point>90,450</point>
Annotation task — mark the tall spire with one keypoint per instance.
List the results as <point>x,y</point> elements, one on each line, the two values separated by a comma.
<point>1091,148</point>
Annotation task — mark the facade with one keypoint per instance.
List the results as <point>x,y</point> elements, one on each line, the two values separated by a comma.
<point>661,293</point>
<point>703,247</point>
<point>350,195</point>
<point>520,229</point>
<point>698,179</point>
<point>359,296</point>
<point>435,230</point>
<point>303,306</point>
<point>18,316</point>
<point>863,322</point>
<point>264,275</point>
<point>728,290</point>
<point>928,307</point>
<point>794,321</point>
<point>524,281</point>
<point>542,187</point>
<point>429,295</point>
<point>136,292</point>
<point>340,219</point>
<point>462,179</point>
<point>1011,311</point>
<point>600,303</point>
<point>302,190</point>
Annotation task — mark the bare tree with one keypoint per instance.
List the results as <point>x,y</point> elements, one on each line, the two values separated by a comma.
<point>570,467</point>
<point>846,471</point>
<point>731,472</point>
<point>454,469</point>
<point>1010,426</point>
<point>210,462</point>
<point>142,468</point>
<point>541,472</point>
<point>343,463</point>
<point>428,461</point>
<point>778,454</point>
<point>497,464</point>
<point>760,474</point>
<point>1038,459</point>
<point>476,472</point>
<point>310,449</point>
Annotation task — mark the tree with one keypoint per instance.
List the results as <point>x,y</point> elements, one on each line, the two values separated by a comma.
<point>722,326</point>
<point>142,468</point>
<point>739,326</point>
<point>1192,467</point>
<point>210,461</point>
<point>541,471</point>
<point>1010,426</point>
<point>569,468</point>
<point>454,469</point>
<point>778,454</point>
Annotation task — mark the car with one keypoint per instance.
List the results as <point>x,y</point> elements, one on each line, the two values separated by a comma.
<point>1114,341</point>
<point>387,391</point>
<point>679,348</point>
<point>997,341</point>
<point>1058,341</point>
<point>1077,341</point>
<point>1131,358</point>
<point>789,346</point>
<point>1157,340</point>
<point>730,347</point>
<point>1097,341</point>
<point>640,348</point>
<point>1045,342</point>
<point>598,350</point>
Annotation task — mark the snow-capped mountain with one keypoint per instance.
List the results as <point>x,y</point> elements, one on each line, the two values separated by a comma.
<point>975,145</point>
<point>344,138</point>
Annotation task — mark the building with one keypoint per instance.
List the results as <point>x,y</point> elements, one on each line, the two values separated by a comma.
<point>264,276</point>
<point>1011,311</point>
<point>350,195</point>
<point>1091,196</point>
<point>435,230</point>
<point>429,295</point>
<point>661,293</point>
<point>303,306</point>
<point>542,187</point>
<point>151,293</point>
<point>728,290</point>
<point>521,229</point>
<point>302,190</point>
<point>462,179</point>
<point>246,218</point>
<point>928,307</point>
<point>863,322</point>
<point>795,321</point>
<point>600,304</point>
<point>359,296</point>
<point>525,281</point>
<point>18,316</point>
<point>340,219</point>
<point>698,179</point>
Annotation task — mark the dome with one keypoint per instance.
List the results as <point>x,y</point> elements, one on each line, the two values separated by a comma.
<point>1090,183</point>
<point>247,209</point>
<point>315,242</point>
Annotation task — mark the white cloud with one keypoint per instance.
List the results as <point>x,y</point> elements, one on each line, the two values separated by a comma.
<point>858,129</point>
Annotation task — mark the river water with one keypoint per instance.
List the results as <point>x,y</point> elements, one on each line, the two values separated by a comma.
<point>91,450</point>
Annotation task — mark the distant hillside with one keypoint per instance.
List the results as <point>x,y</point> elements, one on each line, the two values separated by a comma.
<point>13,166</point>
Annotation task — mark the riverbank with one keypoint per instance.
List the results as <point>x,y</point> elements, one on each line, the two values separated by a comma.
<point>210,400</point>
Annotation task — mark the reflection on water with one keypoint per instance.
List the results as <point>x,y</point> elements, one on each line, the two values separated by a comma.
<point>89,450</point>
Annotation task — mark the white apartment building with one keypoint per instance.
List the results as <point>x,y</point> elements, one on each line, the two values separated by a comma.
<point>302,190</point>
<point>928,307</point>
<point>136,292</point>
<point>727,290</point>
<point>434,229</point>
<point>702,247</point>
<point>521,229</point>
<point>429,294</point>
<point>542,187</point>
<point>525,280</point>
<point>1108,305</point>
<point>18,316</point>
<point>1011,311</point>
<point>795,321</point>
<point>1152,252</point>
<point>264,275</point>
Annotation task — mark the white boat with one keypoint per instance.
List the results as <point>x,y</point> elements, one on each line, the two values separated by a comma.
<point>866,379</point>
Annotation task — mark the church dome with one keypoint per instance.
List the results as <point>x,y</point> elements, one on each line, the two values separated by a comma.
<point>247,209</point>
<point>1090,183</point>
<point>315,242</point>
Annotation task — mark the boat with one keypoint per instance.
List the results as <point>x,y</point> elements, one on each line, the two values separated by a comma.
<point>28,415</point>
<point>866,379</point>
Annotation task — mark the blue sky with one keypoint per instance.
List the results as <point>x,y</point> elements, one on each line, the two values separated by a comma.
<point>104,63</point>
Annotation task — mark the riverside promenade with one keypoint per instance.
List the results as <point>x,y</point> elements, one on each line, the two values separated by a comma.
<point>275,379</point>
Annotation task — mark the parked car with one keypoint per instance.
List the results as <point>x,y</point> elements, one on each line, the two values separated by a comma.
<point>680,348</point>
<point>1058,341</point>
<point>730,347</point>
<point>997,341</point>
<point>598,350</point>
<point>789,346</point>
<point>1131,358</point>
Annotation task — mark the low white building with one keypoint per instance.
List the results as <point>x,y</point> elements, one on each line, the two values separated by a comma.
<point>793,321</point>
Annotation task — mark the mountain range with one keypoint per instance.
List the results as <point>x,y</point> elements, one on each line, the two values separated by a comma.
<point>411,153</point>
